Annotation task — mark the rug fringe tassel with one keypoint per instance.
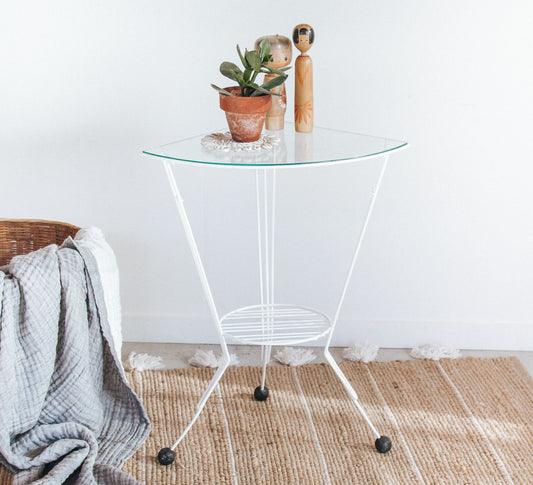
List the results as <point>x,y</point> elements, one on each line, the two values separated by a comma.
<point>294,356</point>
<point>141,362</point>
<point>435,352</point>
<point>365,353</point>
<point>203,358</point>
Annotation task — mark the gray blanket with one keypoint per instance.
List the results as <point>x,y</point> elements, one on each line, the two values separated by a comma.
<point>67,413</point>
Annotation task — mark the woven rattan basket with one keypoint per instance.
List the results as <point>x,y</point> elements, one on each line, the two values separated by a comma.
<point>22,236</point>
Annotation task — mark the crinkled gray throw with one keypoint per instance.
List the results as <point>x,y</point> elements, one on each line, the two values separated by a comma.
<point>67,413</point>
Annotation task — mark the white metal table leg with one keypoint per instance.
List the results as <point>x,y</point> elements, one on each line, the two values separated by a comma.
<point>383,444</point>
<point>350,389</point>
<point>266,218</point>
<point>166,455</point>
<point>264,363</point>
<point>214,381</point>
<point>212,385</point>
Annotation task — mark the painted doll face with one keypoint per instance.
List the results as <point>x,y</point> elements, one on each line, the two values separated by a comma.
<point>303,37</point>
<point>281,56</point>
<point>280,49</point>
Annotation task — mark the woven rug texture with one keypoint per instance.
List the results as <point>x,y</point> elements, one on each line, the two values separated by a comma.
<point>464,421</point>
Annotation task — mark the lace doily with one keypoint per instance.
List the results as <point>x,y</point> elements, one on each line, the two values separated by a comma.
<point>224,142</point>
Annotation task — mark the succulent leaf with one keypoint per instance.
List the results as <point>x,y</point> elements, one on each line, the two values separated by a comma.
<point>259,90</point>
<point>223,91</point>
<point>264,50</point>
<point>231,71</point>
<point>254,60</point>
<point>243,59</point>
<point>274,82</point>
<point>273,70</point>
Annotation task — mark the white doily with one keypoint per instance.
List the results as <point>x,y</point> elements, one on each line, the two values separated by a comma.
<point>224,142</point>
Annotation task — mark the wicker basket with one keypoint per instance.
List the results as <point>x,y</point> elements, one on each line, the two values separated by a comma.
<point>22,236</point>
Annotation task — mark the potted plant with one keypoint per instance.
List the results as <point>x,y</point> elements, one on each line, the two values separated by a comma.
<point>246,105</point>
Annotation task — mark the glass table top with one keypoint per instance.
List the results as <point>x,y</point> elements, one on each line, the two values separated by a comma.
<point>321,146</point>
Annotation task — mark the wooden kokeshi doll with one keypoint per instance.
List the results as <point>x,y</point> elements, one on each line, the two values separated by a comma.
<point>303,37</point>
<point>281,51</point>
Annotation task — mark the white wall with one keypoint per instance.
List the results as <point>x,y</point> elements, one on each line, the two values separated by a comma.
<point>85,86</point>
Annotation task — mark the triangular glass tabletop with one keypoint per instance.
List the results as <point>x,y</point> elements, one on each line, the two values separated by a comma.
<point>321,146</point>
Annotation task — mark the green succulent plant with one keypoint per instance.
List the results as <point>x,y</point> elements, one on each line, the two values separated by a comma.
<point>255,63</point>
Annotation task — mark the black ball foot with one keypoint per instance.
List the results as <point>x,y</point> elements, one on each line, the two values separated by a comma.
<point>383,444</point>
<point>166,456</point>
<point>260,394</point>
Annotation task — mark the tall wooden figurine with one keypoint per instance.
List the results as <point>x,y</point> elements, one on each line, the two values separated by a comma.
<point>303,37</point>
<point>281,51</point>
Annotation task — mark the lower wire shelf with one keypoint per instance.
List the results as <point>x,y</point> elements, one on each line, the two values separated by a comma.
<point>275,324</point>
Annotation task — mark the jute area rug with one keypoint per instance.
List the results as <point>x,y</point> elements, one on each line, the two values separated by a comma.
<point>465,421</point>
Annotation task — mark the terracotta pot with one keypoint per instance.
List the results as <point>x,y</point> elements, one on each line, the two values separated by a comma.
<point>246,116</point>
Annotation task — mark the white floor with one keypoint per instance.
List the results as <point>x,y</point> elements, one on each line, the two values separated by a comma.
<point>177,355</point>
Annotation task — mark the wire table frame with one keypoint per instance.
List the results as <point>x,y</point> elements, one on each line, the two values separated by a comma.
<point>270,323</point>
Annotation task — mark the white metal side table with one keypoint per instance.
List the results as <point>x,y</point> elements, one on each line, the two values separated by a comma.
<point>269,322</point>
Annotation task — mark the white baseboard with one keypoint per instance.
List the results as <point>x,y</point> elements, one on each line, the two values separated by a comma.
<point>387,334</point>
